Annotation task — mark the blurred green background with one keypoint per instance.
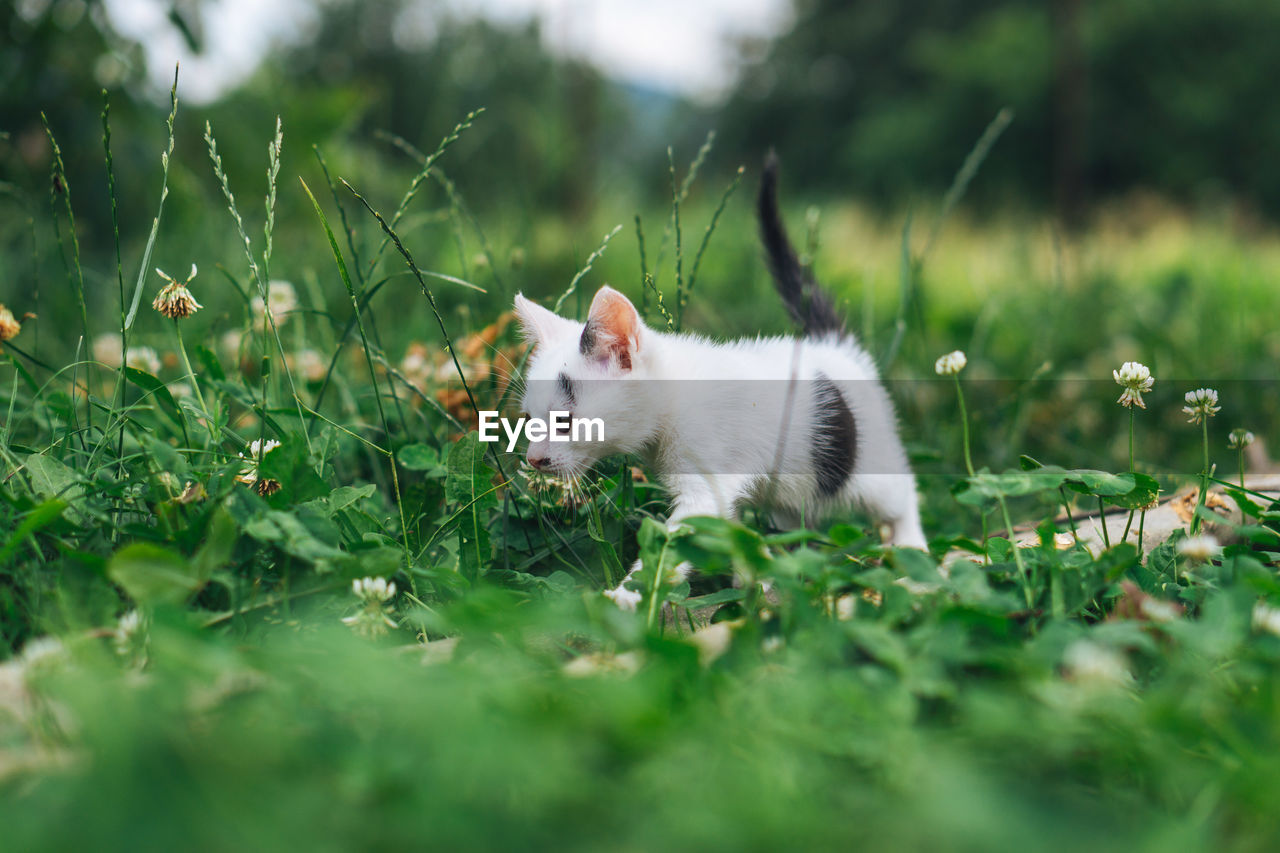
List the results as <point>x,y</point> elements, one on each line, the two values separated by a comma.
<point>1127,212</point>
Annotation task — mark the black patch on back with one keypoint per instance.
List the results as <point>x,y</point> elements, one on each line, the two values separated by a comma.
<point>566,388</point>
<point>587,343</point>
<point>835,437</point>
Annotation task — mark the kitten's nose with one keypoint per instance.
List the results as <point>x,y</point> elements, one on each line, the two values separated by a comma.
<point>538,462</point>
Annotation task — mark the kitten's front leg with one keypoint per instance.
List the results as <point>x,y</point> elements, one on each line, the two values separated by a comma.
<point>700,496</point>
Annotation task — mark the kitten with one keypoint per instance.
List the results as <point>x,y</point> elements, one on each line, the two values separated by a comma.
<point>801,425</point>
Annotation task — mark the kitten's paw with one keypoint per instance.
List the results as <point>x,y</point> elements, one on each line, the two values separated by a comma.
<point>624,598</point>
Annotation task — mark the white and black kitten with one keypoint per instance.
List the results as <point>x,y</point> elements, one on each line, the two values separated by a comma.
<point>801,424</point>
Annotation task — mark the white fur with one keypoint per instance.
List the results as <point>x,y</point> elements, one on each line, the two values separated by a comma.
<point>714,438</point>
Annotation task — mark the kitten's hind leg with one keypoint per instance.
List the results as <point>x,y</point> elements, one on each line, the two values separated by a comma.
<point>892,499</point>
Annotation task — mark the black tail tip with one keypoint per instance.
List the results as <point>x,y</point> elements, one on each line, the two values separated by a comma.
<point>770,172</point>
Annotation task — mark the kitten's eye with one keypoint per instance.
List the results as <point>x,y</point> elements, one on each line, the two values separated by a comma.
<point>566,389</point>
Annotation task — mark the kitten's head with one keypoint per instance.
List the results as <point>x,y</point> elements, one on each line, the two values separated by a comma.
<point>587,369</point>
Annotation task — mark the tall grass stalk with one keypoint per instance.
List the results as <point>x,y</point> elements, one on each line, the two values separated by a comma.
<point>906,283</point>
<point>143,269</point>
<point>676,198</point>
<point>117,400</point>
<point>368,357</point>
<point>418,179</point>
<point>358,287</point>
<point>431,299</point>
<point>1205,473</point>
<point>1133,468</point>
<point>260,273</point>
<point>60,186</point>
<point>711,228</point>
<point>644,272</point>
<point>459,208</point>
<point>586,267</point>
<point>968,171</point>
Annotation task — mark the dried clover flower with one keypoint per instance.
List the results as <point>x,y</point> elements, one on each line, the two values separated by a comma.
<point>175,300</point>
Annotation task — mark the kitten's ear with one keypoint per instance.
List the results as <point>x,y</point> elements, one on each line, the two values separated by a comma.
<point>540,325</point>
<point>613,329</point>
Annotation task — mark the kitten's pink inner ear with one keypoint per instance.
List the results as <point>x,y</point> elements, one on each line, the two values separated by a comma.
<point>613,328</point>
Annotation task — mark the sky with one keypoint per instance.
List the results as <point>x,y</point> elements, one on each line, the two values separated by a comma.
<point>680,46</point>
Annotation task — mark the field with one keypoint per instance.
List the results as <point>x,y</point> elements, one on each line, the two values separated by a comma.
<point>190,666</point>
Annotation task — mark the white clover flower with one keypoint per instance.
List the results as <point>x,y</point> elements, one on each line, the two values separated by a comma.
<point>416,365</point>
<point>374,617</point>
<point>256,449</point>
<point>1239,439</point>
<point>43,652</point>
<point>1266,619</point>
<point>1086,661</point>
<point>311,365</point>
<point>374,589</point>
<point>1136,379</point>
<point>129,630</point>
<point>230,342</point>
<point>1202,548</point>
<point>1157,610</point>
<point>1201,403</point>
<point>950,364</point>
<point>143,358</point>
<point>106,349</point>
<point>282,299</point>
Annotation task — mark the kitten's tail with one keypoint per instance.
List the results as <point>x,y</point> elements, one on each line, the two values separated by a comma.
<point>806,302</point>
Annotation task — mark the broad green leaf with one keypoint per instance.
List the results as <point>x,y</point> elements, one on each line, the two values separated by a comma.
<point>52,479</point>
<point>155,389</point>
<point>985,486</point>
<point>916,565</point>
<point>1100,483</point>
<point>722,596</point>
<point>1144,491</point>
<point>297,533</point>
<point>210,361</point>
<point>154,575</point>
<point>293,466</point>
<point>420,457</point>
<point>605,545</point>
<point>219,541</point>
<point>344,496</point>
<point>469,484</point>
<point>43,515</point>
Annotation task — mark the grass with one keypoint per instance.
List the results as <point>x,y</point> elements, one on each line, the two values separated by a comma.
<point>204,692</point>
